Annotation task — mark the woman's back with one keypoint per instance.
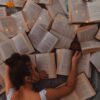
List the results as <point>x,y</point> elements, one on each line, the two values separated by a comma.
<point>25,95</point>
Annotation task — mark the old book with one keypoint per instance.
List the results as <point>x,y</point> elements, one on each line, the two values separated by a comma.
<point>23,44</point>
<point>20,21</point>
<point>93,9</point>
<point>7,48</point>
<point>43,1</point>
<point>46,62</point>
<point>20,43</point>
<point>86,36</point>
<point>8,26</point>
<point>64,62</point>
<point>84,65</point>
<point>44,19</point>
<point>42,40</point>
<point>95,60</point>
<point>63,42</point>
<point>31,12</point>
<point>78,12</point>
<point>55,8</point>
<point>17,3</point>
<point>2,39</point>
<point>84,12</point>
<point>67,30</point>
<point>3,12</point>
<point>83,91</point>
<point>64,57</point>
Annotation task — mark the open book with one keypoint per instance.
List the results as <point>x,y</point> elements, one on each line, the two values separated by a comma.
<point>7,48</point>
<point>84,12</point>
<point>64,62</point>
<point>46,62</point>
<point>86,36</point>
<point>83,91</point>
<point>23,44</point>
<point>20,43</point>
<point>31,12</point>
<point>55,8</point>
<point>44,19</point>
<point>63,30</point>
<point>43,1</point>
<point>42,40</point>
<point>17,3</point>
<point>95,60</point>
<point>20,21</point>
<point>3,12</point>
<point>8,26</point>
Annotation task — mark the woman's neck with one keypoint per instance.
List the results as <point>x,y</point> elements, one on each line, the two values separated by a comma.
<point>27,86</point>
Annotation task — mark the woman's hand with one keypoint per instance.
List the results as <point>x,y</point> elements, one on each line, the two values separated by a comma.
<point>43,75</point>
<point>76,58</point>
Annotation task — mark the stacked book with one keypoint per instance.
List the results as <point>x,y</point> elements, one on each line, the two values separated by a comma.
<point>45,30</point>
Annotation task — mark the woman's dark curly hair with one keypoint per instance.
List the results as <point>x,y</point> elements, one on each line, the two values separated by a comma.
<point>19,68</point>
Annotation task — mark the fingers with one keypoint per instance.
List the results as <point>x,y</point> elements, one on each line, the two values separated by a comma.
<point>43,75</point>
<point>77,54</point>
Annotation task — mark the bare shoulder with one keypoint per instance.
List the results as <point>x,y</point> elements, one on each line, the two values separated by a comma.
<point>26,96</point>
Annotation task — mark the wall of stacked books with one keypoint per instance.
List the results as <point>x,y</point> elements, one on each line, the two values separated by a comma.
<point>50,31</point>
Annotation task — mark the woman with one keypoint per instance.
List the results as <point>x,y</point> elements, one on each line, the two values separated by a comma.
<point>20,74</point>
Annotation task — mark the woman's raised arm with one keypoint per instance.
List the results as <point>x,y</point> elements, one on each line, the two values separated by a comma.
<point>53,94</point>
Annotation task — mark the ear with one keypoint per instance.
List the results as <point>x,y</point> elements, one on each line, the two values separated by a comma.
<point>28,79</point>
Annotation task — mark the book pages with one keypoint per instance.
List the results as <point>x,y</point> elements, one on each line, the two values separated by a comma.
<point>47,44</point>
<point>46,62</point>
<point>23,44</point>
<point>63,42</point>
<point>78,11</point>
<point>9,26</point>
<point>20,21</point>
<point>84,88</point>
<point>7,48</point>
<point>31,12</point>
<point>41,39</point>
<point>44,19</point>
<point>64,57</point>
<point>88,42</point>
<point>84,65</point>
<point>71,97</point>
<point>36,35</point>
<point>83,91</point>
<point>95,60</point>
<point>55,8</point>
<point>93,9</point>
